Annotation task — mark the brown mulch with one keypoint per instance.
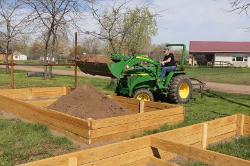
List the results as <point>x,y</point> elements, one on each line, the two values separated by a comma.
<point>96,58</point>
<point>87,102</point>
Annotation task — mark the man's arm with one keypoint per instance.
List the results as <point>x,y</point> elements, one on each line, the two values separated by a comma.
<point>166,61</point>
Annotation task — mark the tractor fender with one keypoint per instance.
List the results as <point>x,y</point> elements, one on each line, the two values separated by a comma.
<point>171,75</point>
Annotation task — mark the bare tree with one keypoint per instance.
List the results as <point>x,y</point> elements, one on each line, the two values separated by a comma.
<point>109,21</point>
<point>240,5</point>
<point>54,16</point>
<point>14,20</point>
<point>92,45</point>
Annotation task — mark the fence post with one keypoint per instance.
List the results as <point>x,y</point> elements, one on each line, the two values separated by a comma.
<point>12,81</point>
<point>72,161</point>
<point>75,70</point>
<point>204,135</point>
<point>239,125</point>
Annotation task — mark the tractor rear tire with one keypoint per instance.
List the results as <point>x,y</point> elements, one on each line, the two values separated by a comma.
<point>180,90</point>
<point>143,94</point>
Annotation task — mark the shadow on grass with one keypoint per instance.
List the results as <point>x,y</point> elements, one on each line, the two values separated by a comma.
<point>212,94</point>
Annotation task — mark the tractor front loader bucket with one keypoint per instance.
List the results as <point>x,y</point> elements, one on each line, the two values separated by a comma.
<point>94,68</point>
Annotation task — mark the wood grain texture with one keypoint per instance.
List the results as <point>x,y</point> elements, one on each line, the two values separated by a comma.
<point>194,153</point>
<point>45,116</point>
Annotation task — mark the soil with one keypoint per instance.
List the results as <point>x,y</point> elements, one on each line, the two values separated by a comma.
<point>96,58</point>
<point>87,102</point>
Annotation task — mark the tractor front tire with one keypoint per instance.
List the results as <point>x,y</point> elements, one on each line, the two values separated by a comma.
<point>143,94</point>
<point>180,90</point>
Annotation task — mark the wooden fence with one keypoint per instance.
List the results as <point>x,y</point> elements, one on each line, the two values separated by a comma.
<point>29,104</point>
<point>158,149</point>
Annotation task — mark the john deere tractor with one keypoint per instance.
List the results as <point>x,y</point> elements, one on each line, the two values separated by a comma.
<point>138,76</point>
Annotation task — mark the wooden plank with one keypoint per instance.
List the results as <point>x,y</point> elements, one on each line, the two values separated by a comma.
<point>222,130</point>
<point>123,159</point>
<point>141,162</point>
<point>95,154</point>
<point>28,93</point>
<point>15,93</point>
<point>45,116</point>
<point>41,103</point>
<point>131,101</point>
<point>194,153</point>
<point>124,135</point>
<point>136,125</point>
<point>222,137</point>
<point>102,123</point>
<point>48,92</point>
<point>217,123</point>
<point>157,162</point>
<point>180,133</point>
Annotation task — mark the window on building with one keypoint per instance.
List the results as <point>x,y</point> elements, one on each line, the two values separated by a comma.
<point>245,59</point>
<point>239,58</point>
<point>234,59</point>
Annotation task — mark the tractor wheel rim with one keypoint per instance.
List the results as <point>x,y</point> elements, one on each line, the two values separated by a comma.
<point>184,90</point>
<point>143,96</point>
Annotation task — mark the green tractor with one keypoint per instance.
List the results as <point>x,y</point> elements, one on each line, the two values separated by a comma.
<point>139,77</point>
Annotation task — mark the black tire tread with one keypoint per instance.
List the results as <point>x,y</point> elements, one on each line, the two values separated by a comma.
<point>173,89</point>
<point>138,91</point>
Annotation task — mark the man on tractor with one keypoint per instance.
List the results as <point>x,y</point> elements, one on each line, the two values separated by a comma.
<point>168,64</point>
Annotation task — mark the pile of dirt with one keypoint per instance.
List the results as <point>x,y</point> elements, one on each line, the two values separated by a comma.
<point>87,102</point>
<point>96,58</point>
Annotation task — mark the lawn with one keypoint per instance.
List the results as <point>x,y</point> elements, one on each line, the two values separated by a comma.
<point>239,147</point>
<point>22,81</point>
<point>211,106</point>
<point>23,142</point>
<point>221,75</point>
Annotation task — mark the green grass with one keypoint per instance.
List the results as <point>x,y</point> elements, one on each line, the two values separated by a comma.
<point>221,75</point>
<point>23,142</point>
<point>22,81</point>
<point>238,147</point>
<point>211,106</point>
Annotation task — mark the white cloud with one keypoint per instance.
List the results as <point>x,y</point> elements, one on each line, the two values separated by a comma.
<point>185,20</point>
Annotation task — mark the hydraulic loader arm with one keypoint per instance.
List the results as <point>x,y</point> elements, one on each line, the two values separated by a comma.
<point>118,68</point>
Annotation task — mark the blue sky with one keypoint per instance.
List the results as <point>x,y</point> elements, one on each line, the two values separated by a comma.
<point>181,21</point>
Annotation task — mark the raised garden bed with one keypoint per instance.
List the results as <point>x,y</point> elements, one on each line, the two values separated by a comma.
<point>30,103</point>
<point>160,149</point>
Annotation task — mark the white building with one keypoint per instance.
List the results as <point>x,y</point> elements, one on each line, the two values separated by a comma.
<point>235,54</point>
<point>19,57</point>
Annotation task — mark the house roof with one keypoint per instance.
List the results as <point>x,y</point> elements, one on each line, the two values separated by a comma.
<point>219,47</point>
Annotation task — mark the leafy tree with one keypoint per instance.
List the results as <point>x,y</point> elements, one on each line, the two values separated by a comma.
<point>141,26</point>
<point>124,30</point>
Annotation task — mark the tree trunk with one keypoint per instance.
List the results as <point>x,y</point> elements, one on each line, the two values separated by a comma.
<point>6,58</point>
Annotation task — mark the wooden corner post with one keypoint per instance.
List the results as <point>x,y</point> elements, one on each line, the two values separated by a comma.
<point>89,130</point>
<point>142,104</point>
<point>240,125</point>
<point>204,135</point>
<point>72,161</point>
